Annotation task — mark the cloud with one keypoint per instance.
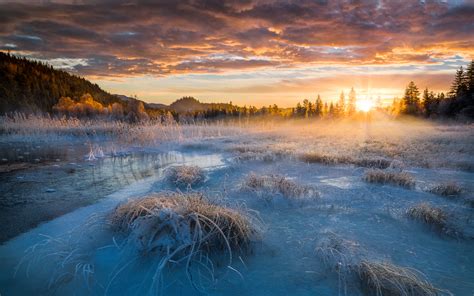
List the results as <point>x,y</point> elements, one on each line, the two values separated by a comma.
<point>167,37</point>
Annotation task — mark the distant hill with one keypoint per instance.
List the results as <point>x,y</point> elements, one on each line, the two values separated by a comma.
<point>157,106</point>
<point>31,86</point>
<point>190,104</point>
<point>187,104</point>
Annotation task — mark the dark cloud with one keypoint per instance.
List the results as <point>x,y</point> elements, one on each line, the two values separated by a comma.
<point>168,36</point>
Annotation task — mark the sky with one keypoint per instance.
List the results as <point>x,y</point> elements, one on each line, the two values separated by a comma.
<point>250,52</point>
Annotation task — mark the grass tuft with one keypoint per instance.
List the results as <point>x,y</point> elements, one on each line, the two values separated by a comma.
<point>326,159</point>
<point>340,256</point>
<point>428,214</point>
<point>186,176</point>
<point>347,259</point>
<point>402,179</point>
<point>436,218</point>
<point>270,185</point>
<point>331,159</point>
<point>175,220</point>
<point>449,189</point>
<point>374,163</point>
<point>186,230</point>
<point>383,278</point>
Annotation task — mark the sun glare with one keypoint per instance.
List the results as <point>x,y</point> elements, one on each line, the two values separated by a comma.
<point>364,105</point>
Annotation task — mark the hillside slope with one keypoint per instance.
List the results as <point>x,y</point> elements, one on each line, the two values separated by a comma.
<point>31,86</point>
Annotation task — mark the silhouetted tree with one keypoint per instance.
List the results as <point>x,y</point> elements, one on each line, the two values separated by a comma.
<point>411,99</point>
<point>351,106</point>
<point>332,111</point>
<point>341,105</point>
<point>318,108</point>
<point>459,85</point>
<point>429,103</point>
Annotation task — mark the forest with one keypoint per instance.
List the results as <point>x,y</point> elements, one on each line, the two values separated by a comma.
<point>29,86</point>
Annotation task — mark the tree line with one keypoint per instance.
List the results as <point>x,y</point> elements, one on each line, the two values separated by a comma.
<point>458,102</point>
<point>32,87</point>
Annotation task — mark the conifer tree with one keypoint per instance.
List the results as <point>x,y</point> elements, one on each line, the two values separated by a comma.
<point>411,99</point>
<point>459,86</point>
<point>341,105</point>
<point>319,107</point>
<point>331,110</point>
<point>469,77</point>
<point>429,103</point>
<point>351,107</point>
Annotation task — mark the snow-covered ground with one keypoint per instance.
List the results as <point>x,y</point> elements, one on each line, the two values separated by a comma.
<point>77,253</point>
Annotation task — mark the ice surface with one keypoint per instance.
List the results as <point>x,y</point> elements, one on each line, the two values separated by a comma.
<point>284,262</point>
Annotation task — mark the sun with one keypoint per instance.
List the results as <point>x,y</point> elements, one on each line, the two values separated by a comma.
<point>364,105</point>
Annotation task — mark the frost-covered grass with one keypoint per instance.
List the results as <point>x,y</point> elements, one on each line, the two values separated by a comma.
<point>375,162</point>
<point>255,152</point>
<point>429,215</point>
<point>175,222</point>
<point>20,127</point>
<point>340,256</point>
<point>436,218</point>
<point>449,189</point>
<point>186,176</point>
<point>402,179</point>
<point>352,264</point>
<point>384,278</point>
<point>333,159</point>
<point>66,257</point>
<point>326,159</point>
<point>373,145</point>
<point>268,186</point>
<point>173,241</point>
<point>184,229</point>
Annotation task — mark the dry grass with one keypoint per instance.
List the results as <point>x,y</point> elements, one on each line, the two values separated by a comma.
<point>326,159</point>
<point>347,259</point>
<point>185,176</point>
<point>429,215</point>
<point>185,230</point>
<point>436,218</point>
<point>375,163</point>
<point>340,256</point>
<point>256,156</point>
<point>261,153</point>
<point>174,220</point>
<point>449,189</point>
<point>402,179</point>
<point>269,185</point>
<point>338,252</point>
<point>383,278</point>
<point>333,159</point>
